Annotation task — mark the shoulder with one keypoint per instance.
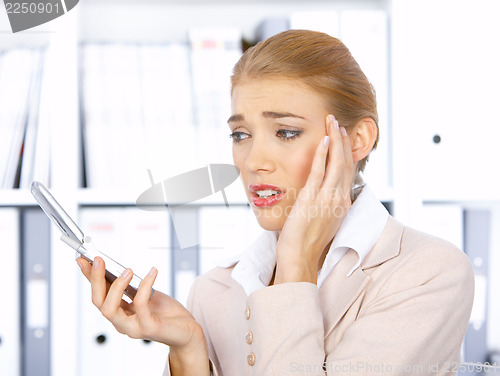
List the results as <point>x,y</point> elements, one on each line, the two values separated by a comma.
<point>425,259</point>
<point>403,250</point>
<point>426,272</point>
<point>418,247</point>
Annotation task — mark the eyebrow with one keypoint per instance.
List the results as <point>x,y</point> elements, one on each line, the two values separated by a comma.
<point>279,115</point>
<point>266,114</point>
<point>235,118</point>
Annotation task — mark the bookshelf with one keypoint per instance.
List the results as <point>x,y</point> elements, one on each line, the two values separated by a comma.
<point>167,21</point>
<point>156,22</point>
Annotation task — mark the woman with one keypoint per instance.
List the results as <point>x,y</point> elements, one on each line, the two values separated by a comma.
<point>335,285</point>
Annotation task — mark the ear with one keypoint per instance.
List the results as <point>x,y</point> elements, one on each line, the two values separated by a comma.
<point>363,137</point>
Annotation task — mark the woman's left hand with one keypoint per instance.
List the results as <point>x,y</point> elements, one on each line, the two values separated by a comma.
<point>319,209</point>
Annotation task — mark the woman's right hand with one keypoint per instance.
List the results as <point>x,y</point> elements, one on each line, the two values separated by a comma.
<point>157,318</point>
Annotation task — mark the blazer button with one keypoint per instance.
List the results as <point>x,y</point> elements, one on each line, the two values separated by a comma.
<point>247,312</point>
<point>249,337</point>
<point>251,359</point>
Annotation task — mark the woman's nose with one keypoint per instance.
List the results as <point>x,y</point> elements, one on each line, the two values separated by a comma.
<point>260,157</point>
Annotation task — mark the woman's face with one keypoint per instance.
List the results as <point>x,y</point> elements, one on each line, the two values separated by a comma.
<point>276,126</point>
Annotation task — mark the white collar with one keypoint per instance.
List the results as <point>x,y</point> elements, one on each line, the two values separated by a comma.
<point>360,229</point>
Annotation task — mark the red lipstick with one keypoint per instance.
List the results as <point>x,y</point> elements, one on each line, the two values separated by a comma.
<point>268,194</point>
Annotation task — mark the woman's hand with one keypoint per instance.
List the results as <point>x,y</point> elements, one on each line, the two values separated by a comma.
<point>158,318</point>
<point>319,209</point>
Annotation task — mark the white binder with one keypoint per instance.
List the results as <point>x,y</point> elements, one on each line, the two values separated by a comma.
<point>149,245</point>
<point>98,338</point>
<point>18,66</point>
<point>445,80</point>
<point>140,240</point>
<point>36,294</point>
<point>10,315</point>
<point>214,52</point>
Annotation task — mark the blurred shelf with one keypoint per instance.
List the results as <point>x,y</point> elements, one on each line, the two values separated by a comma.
<point>16,197</point>
<point>99,197</point>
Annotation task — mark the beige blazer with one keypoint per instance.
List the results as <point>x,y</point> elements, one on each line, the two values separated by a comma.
<point>403,311</point>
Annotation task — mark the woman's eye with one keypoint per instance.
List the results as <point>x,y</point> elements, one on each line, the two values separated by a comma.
<point>287,134</point>
<point>238,136</point>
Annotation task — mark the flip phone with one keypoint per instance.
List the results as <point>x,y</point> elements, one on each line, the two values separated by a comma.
<point>73,236</point>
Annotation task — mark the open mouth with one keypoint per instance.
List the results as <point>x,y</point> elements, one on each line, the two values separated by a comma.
<point>264,195</point>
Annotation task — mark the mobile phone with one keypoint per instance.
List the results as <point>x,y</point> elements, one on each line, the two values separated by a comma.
<point>72,235</point>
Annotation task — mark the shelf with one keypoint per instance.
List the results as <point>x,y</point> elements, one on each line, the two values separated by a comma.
<point>98,197</point>
<point>16,197</point>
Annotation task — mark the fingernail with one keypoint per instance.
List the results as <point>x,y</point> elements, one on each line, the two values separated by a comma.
<point>152,271</point>
<point>343,131</point>
<point>95,264</point>
<point>326,141</point>
<point>80,265</point>
<point>336,124</point>
<point>126,273</point>
<point>331,118</point>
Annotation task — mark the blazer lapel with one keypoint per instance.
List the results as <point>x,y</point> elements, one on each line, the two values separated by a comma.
<point>229,292</point>
<point>338,292</point>
<point>220,306</point>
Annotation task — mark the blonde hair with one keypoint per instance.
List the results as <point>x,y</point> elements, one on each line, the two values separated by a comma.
<point>323,63</point>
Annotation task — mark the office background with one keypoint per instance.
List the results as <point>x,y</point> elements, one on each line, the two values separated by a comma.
<point>115,96</point>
